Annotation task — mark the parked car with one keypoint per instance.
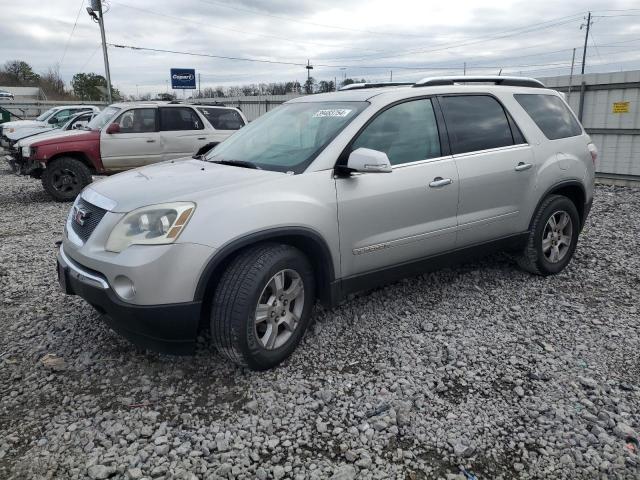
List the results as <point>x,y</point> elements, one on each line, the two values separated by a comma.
<point>50,119</point>
<point>26,137</point>
<point>4,95</point>
<point>125,136</point>
<point>324,196</point>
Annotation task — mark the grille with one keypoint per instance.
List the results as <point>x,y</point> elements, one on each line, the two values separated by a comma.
<point>91,221</point>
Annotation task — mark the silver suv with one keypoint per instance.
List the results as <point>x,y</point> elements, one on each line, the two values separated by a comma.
<point>327,195</point>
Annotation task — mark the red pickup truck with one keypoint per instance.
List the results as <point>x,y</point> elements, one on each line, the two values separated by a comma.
<point>125,136</point>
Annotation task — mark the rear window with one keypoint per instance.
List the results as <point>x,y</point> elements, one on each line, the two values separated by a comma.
<point>476,122</point>
<point>550,114</point>
<point>223,118</point>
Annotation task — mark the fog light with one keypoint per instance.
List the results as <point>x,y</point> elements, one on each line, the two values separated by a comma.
<point>124,287</point>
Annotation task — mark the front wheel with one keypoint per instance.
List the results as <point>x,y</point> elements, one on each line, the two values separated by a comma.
<point>65,177</point>
<point>262,305</point>
<point>552,238</point>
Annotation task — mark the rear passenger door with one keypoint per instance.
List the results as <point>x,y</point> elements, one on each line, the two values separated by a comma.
<point>386,219</point>
<point>182,131</point>
<point>495,165</point>
<point>136,144</point>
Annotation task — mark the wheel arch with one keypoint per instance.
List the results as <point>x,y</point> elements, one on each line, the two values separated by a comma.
<point>573,190</point>
<point>80,156</point>
<point>310,242</point>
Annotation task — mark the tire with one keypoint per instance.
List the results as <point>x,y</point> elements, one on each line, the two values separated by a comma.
<point>64,178</point>
<point>546,251</point>
<point>250,281</point>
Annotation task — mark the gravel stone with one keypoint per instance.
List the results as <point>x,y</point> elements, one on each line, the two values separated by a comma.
<point>509,374</point>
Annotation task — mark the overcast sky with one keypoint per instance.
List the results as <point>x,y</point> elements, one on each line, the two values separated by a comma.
<point>412,38</point>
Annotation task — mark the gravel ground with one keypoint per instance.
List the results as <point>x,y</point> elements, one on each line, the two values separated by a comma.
<point>482,368</point>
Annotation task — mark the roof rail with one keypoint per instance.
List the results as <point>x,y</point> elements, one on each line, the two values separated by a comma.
<point>360,86</point>
<point>498,80</point>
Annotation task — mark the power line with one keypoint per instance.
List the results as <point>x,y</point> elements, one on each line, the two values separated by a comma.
<point>72,30</point>
<point>482,39</point>
<point>218,27</point>
<point>304,22</point>
<point>90,57</point>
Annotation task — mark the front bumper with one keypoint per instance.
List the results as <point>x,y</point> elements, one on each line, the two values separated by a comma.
<point>167,328</point>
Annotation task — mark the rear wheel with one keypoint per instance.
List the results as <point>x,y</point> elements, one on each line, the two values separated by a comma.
<point>65,177</point>
<point>552,238</point>
<point>262,305</point>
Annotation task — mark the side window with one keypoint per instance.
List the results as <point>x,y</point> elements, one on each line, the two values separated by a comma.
<point>222,118</point>
<point>550,114</point>
<point>137,120</point>
<point>476,122</point>
<point>60,117</point>
<point>179,118</point>
<point>406,132</point>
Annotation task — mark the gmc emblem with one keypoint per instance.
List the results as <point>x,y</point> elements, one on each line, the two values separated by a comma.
<point>80,216</point>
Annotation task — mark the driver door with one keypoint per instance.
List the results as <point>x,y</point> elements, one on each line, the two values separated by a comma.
<point>137,143</point>
<point>387,219</point>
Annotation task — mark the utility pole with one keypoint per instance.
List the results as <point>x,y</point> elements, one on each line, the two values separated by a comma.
<point>96,6</point>
<point>573,61</point>
<point>464,68</point>
<point>309,67</point>
<point>391,76</point>
<point>199,87</point>
<point>586,38</point>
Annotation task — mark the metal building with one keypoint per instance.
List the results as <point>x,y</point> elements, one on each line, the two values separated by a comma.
<point>608,105</point>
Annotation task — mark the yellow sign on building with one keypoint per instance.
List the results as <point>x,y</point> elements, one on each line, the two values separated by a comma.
<point>620,107</point>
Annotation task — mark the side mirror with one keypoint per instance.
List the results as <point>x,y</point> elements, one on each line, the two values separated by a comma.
<point>53,120</point>
<point>113,128</point>
<point>366,160</point>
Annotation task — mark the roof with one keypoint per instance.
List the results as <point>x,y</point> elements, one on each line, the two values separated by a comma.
<point>164,103</point>
<point>364,95</point>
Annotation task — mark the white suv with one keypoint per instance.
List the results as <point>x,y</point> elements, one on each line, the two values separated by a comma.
<point>327,195</point>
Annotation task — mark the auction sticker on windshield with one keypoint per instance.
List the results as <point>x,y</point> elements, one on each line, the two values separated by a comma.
<point>333,112</point>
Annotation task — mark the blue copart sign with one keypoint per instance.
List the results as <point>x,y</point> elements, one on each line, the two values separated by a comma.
<point>183,78</point>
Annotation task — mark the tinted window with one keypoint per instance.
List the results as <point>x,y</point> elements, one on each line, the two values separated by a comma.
<point>406,133</point>
<point>550,114</point>
<point>223,118</point>
<point>60,117</point>
<point>476,122</point>
<point>138,120</point>
<point>179,118</point>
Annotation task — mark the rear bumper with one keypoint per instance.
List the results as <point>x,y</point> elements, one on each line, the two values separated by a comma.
<point>166,328</point>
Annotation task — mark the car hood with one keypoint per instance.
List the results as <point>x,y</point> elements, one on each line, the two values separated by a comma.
<point>24,123</point>
<point>68,136</point>
<point>28,131</point>
<point>37,136</point>
<point>176,180</point>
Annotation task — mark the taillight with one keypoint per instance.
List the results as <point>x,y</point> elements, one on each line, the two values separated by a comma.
<point>593,150</point>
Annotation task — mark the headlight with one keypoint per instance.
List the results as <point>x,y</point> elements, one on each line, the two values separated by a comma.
<point>11,130</point>
<point>26,152</point>
<point>153,225</point>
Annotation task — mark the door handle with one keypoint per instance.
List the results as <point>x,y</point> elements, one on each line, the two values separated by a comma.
<point>150,141</point>
<point>440,182</point>
<point>202,138</point>
<point>521,167</point>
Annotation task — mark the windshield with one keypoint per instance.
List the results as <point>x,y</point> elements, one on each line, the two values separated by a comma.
<point>289,137</point>
<point>102,118</point>
<point>46,115</point>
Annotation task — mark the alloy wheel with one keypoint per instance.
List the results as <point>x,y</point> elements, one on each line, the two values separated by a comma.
<point>279,309</point>
<point>557,236</point>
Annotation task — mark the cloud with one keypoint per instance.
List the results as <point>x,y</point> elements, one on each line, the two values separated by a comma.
<point>358,39</point>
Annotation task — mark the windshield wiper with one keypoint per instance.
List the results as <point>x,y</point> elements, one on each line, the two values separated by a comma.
<point>237,163</point>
